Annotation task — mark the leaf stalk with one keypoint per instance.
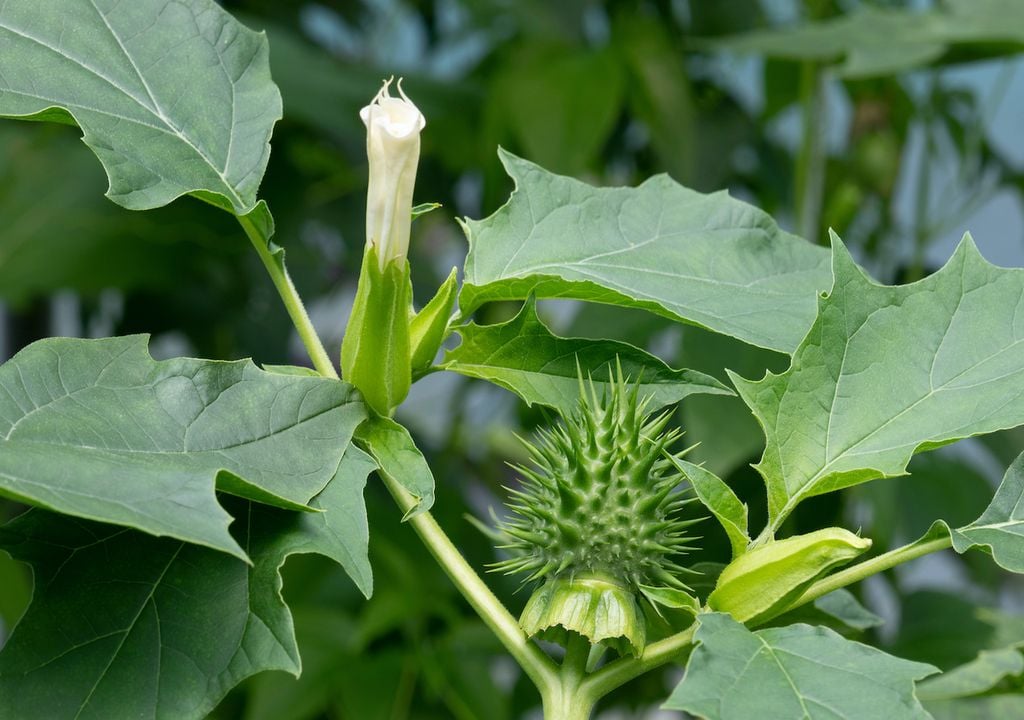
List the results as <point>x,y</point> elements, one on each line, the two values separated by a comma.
<point>290,297</point>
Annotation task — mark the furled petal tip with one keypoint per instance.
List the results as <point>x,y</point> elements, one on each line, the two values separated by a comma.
<point>397,116</point>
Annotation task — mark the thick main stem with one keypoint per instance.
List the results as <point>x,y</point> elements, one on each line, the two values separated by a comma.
<point>538,666</point>
<point>292,301</point>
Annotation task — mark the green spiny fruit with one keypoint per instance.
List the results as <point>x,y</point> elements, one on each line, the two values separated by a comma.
<point>597,520</point>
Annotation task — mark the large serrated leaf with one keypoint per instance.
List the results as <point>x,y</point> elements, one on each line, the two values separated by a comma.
<point>100,430</point>
<point>889,371</point>
<point>127,625</point>
<point>173,96</point>
<point>793,673</point>
<point>863,40</point>
<point>1000,529</point>
<point>523,356</point>
<point>705,259</point>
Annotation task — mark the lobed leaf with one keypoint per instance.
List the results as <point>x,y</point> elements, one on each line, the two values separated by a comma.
<point>100,430</point>
<point>799,672</point>
<point>124,624</point>
<point>1000,529</point>
<point>523,356</point>
<point>889,371</point>
<point>705,259</point>
<point>173,96</point>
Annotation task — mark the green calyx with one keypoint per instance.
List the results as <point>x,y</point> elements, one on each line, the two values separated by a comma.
<point>595,606</point>
<point>762,583</point>
<point>599,502</point>
<point>375,352</point>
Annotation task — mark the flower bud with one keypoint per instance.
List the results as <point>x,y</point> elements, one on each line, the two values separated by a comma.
<point>393,128</point>
<point>376,351</point>
<point>761,583</point>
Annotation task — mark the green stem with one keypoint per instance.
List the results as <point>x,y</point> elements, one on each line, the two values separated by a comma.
<point>563,700</point>
<point>810,170</point>
<point>538,666</point>
<point>618,673</point>
<point>871,567</point>
<point>292,301</point>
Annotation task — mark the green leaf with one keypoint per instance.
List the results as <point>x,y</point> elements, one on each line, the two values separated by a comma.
<point>704,259</point>
<point>793,672</point>
<point>397,456</point>
<point>671,598</point>
<point>326,638</point>
<point>1000,529</point>
<point>100,430</point>
<point>843,606</point>
<point>861,42</point>
<point>128,625</point>
<point>523,356</point>
<point>297,370</point>
<point>173,96</point>
<point>980,675</point>
<point>889,371</point>
<point>721,501</point>
<point>839,610</point>
<point>341,531</point>
<point>427,327</point>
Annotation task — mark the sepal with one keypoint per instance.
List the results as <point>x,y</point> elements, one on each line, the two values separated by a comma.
<point>427,327</point>
<point>595,606</point>
<point>375,353</point>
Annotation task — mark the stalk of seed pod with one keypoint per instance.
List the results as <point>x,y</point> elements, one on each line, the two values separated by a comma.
<point>596,520</point>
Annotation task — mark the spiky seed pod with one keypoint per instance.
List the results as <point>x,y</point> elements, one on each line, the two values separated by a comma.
<point>597,510</point>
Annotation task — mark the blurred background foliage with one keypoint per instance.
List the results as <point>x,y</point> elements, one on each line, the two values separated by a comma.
<point>897,124</point>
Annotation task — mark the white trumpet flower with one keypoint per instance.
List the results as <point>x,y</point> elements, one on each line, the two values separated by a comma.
<point>393,128</point>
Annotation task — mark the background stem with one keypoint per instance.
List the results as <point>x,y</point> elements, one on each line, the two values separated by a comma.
<point>810,170</point>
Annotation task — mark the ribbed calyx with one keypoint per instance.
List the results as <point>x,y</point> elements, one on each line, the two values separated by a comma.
<point>598,503</point>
